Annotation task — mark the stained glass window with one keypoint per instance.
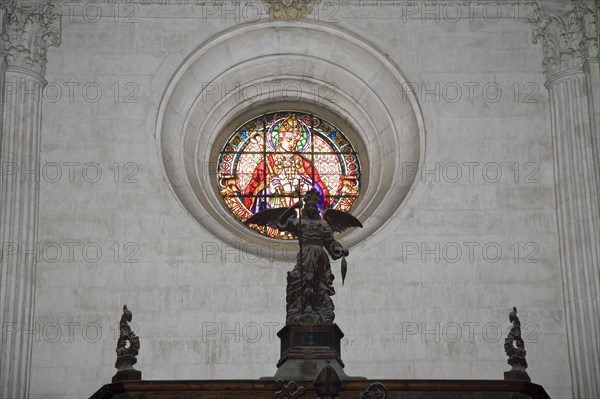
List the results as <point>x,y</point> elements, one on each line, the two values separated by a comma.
<point>273,157</point>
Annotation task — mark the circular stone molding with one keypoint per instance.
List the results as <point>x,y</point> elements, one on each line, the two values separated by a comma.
<point>263,67</point>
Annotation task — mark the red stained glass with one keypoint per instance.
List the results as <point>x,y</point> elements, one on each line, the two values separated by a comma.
<point>272,158</point>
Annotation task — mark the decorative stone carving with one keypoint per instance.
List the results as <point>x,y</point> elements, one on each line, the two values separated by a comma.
<point>5,8</point>
<point>568,37</point>
<point>587,11</point>
<point>516,355</point>
<point>289,9</point>
<point>27,32</point>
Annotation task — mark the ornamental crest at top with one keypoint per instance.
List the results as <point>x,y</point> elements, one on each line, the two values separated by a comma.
<point>289,10</point>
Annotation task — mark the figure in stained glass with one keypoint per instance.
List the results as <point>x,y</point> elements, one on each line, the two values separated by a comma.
<point>275,157</point>
<point>275,178</point>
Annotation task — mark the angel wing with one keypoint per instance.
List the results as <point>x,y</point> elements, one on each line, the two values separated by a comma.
<point>267,217</point>
<point>339,220</point>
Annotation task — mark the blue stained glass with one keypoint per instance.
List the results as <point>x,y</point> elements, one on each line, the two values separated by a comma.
<point>333,134</point>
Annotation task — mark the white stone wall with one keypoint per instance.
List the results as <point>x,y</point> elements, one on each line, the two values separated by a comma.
<point>199,304</point>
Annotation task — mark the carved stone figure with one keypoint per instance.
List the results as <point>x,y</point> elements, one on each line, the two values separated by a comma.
<point>310,283</point>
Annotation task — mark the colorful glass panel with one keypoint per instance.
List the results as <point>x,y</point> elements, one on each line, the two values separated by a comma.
<point>273,157</point>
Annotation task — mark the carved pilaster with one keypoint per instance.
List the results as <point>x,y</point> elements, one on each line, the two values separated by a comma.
<point>577,202</point>
<point>568,32</point>
<point>289,9</point>
<point>26,34</point>
<point>5,9</point>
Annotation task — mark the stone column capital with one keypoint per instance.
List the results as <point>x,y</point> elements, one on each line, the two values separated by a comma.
<point>568,33</point>
<point>27,32</point>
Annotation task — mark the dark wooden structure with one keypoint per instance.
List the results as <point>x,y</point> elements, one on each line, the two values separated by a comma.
<point>266,389</point>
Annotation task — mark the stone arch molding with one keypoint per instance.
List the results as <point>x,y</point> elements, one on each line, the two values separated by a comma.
<point>259,67</point>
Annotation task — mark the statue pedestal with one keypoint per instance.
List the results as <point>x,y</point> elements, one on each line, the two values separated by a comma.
<point>516,375</point>
<point>127,375</point>
<point>519,365</point>
<point>306,348</point>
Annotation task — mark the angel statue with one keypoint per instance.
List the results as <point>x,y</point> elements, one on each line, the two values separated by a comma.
<point>310,283</point>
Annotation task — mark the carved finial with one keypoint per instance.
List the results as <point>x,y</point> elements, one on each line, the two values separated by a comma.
<point>128,346</point>
<point>516,355</point>
<point>289,10</point>
<point>291,390</point>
